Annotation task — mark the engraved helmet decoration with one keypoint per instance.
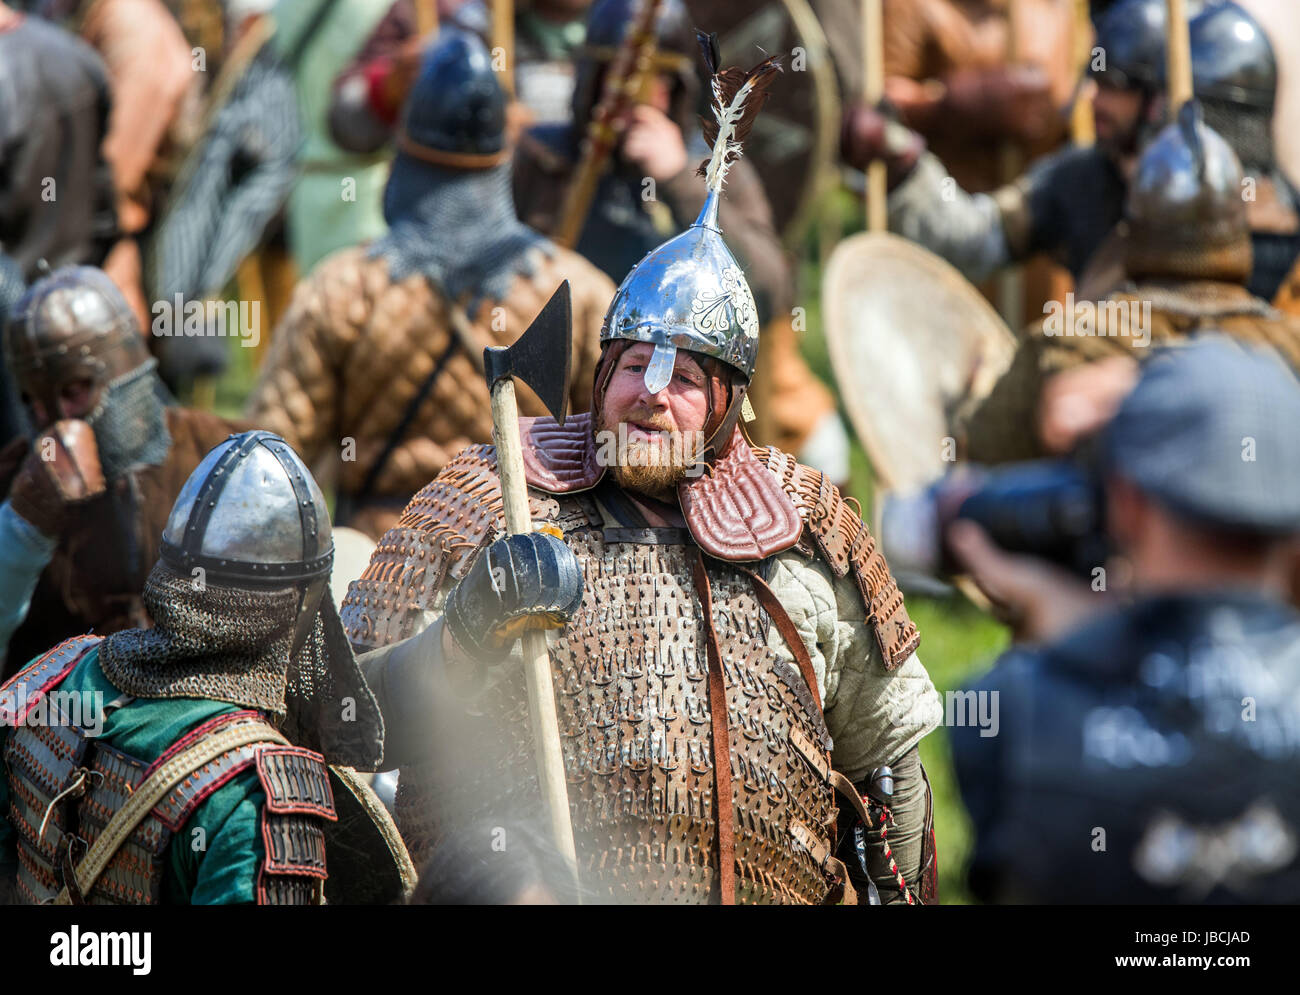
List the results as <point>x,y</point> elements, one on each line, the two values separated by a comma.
<point>690,292</point>
<point>252,516</point>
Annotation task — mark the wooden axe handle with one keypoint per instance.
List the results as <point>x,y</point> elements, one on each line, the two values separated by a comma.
<point>537,659</point>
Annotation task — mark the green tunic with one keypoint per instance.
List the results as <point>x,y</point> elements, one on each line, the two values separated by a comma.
<point>218,866</point>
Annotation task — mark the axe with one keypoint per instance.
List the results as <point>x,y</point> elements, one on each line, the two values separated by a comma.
<point>541,358</point>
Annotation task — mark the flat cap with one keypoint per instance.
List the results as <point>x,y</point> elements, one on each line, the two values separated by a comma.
<point>1212,431</point>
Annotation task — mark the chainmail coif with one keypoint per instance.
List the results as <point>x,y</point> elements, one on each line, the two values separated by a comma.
<point>233,645</point>
<point>459,228</point>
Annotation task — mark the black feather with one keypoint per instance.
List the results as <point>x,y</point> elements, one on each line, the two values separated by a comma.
<point>710,49</point>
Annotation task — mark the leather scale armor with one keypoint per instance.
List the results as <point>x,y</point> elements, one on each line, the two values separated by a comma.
<point>632,688</point>
<point>45,759</point>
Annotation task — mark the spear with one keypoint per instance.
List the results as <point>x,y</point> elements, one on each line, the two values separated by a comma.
<point>622,86</point>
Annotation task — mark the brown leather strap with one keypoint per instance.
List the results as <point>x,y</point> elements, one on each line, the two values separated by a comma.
<point>723,812</point>
<point>450,160</point>
<point>846,788</point>
<point>785,625</point>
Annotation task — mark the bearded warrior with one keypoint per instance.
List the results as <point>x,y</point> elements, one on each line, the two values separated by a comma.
<point>376,367</point>
<point>88,488</point>
<point>729,651</point>
<point>1187,260</point>
<point>187,763</point>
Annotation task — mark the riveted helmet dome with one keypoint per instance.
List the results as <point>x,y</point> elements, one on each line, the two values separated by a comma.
<point>1131,45</point>
<point>250,515</point>
<point>690,293</point>
<point>457,105</point>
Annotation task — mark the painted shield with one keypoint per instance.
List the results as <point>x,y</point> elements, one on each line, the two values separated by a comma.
<point>913,345</point>
<point>795,141</point>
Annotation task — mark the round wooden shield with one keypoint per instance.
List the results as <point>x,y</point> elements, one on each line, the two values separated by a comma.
<point>912,344</point>
<point>795,141</point>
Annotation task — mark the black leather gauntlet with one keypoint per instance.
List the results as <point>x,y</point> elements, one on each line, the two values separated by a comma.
<point>521,582</point>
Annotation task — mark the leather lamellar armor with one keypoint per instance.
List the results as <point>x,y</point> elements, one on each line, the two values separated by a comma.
<point>632,687</point>
<point>44,759</point>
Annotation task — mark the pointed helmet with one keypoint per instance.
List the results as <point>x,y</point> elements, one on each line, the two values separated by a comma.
<point>690,293</point>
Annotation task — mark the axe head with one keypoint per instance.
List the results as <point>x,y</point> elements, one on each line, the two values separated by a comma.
<point>542,357</point>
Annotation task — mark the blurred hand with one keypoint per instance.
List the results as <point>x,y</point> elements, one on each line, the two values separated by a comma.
<point>1078,403</point>
<point>1039,600</point>
<point>60,472</point>
<point>1007,102</point>
<point>653,143</point>
<point>868,134</point>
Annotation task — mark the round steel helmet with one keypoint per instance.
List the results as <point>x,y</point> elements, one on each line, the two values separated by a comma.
<point>1185,198</point>
<point>71,325</point>
<point>608,23</point>
<point>1131,38</point>
<point>1232,58</point>
<point>457,104</point>
<point>688,293</point>
<point>250,515</point>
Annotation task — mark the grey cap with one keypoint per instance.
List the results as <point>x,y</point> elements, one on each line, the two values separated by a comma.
<point>1210,431</point>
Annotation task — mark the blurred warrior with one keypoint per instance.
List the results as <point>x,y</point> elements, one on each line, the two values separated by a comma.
<point>1069,204</point>
<point>87,491</point>
<point>1146,751</point>
<point>368,95</point>
<point>1187,259</point>
<point>722,613</point>
<point>156,86</point>
<point>951,74</point>
<point>1235,74</point>
<point>56,191</point>
<point>377,363</point>
<point>221,717</point>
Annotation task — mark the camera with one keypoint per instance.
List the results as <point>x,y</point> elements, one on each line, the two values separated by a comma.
<point>1052,509</point>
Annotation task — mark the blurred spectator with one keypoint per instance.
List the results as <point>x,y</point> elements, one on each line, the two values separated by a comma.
<point>57,201</point>
<point>1145,751</point>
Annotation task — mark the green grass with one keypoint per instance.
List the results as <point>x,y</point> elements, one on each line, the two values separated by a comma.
<point>957,640</point>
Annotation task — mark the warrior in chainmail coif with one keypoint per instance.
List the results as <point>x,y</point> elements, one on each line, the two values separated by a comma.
<point>227,711</point>
<point>725,636</point>
<point>88,485</point>
<point>383,343</point>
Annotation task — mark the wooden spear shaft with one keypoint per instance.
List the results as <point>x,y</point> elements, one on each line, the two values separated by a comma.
<point>1011,282</point>
<point>1082,127</point>
<point>503,38</point>
<point>1179,57</point>
<point>873,62</point>
<point>426,18</point>
<point>622,84</point>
